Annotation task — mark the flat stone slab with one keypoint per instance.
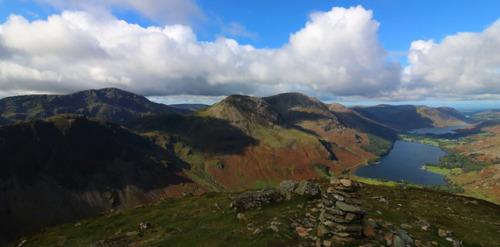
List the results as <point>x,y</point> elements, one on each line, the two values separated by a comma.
<point>349,208</point>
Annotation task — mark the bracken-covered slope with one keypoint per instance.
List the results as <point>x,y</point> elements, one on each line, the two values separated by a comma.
<point>483,144</point>
<point>407,117</point>
<point>248,142</point>
<point>487,144</point>
<point>69,166</point>
<point>109,103</point>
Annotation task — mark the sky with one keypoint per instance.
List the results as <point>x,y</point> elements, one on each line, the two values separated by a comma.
<point>188,51</point>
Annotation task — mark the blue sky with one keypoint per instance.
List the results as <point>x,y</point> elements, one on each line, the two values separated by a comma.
<point>271,22</point>
<point>389,51</point>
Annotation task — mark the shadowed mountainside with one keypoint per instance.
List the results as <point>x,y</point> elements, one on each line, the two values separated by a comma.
<point>206,134</point>
<point>188,108</point>
<point>109,103</point>
<point>355,120</point>
<point>68,167</point>
<point>406,117</point>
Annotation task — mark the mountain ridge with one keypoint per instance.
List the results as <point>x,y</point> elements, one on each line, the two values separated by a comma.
<point>240,143</point>
<point>69,166</point>
<point>406,117</point>
<point>109,103</point>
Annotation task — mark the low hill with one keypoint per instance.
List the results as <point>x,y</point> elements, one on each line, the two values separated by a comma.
<point>443,116</point>
<point>487,141</point>
<point>109,103</point>
<point>69,166</point>
<point>489,114</point>
<point>406,117</point>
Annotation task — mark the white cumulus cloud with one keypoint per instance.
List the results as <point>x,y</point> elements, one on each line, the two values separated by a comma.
<point>465,65</point>
<point>336,53</point>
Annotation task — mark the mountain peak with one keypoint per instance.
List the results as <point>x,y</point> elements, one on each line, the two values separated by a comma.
<point>244,111</point>
<point>296,107</point>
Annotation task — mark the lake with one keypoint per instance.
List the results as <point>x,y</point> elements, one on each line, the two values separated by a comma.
<point>404,162</point>
<point>438,130</point>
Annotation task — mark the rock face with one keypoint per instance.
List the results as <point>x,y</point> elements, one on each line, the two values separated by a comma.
<point>307,188</point>
<point>342,214</point>
<point>256,199</point>
<point>287,187</point>
<point>266,196</point>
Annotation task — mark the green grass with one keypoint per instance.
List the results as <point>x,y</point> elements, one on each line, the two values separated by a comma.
<point>443,171</point>
<point>271,182</point>
<point>440,210</point>
<point>193,221</point>
<point>378,146</point>
<point>322,170</point>
<point>385,182</point>
<point>376,181</point>
<point>208,221</point>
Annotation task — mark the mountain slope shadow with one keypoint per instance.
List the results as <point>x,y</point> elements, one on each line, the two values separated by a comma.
<point>69,167</point>
<point>206,134</point>
<point>401,117</point>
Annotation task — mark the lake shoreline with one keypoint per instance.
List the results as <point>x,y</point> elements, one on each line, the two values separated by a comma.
<point>414,155</point>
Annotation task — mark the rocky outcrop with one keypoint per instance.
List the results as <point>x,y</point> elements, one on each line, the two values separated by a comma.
<point>256,199</point>
<point>288,188</point>
<point>306,187</point>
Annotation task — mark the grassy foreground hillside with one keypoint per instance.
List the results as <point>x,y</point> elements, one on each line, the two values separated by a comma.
<point>207,220</point>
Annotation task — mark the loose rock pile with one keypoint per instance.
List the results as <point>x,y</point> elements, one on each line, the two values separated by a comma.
<point>341,216</point>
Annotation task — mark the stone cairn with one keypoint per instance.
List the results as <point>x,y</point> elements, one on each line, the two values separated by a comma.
<point>341,214</point>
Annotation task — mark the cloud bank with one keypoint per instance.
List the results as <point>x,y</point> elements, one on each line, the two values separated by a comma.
<point>464,65</point>
<point>336,54</point>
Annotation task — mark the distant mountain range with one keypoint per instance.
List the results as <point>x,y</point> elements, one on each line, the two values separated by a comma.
<point>406,117</point>
<point>66,167</point>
